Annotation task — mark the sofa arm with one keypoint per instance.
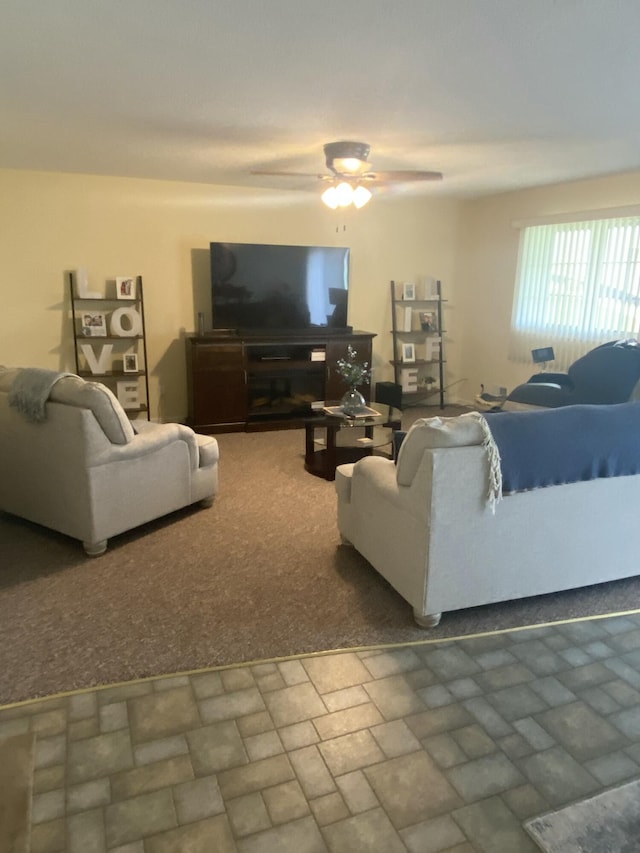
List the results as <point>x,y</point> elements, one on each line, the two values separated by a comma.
<point>344,476</point>
<point>375,476</point>
<point>561,379</point>
<point>375,472</point>
<point>149,438</point>
<point>372,473</point>
<point>208,450</point>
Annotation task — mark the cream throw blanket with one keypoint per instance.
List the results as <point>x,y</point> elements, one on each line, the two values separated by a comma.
<point>494,493</point>
<point>30,391</point>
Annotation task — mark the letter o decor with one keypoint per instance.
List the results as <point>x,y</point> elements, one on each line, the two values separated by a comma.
<point>133,321</point>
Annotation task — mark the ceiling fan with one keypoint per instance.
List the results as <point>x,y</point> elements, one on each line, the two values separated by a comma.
<point>351,174</point>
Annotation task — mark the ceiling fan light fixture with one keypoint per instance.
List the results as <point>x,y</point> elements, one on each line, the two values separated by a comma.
<point>350,165</point>
<point>352,174</point>
<point>344,194</point>
<point>346,156</point>
<point>361,195</point>
<point>329,197</point>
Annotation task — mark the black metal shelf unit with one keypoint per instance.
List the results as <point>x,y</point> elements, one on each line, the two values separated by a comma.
<point>429,336</point>
<point>126,350</point>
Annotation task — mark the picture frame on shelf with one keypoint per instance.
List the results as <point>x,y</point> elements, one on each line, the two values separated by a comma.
<point>130,362</point>
<point>428,321</point>
<point>409,291</point>
<point>408,353</point>
<point>430,288</point>
<point>94,324</point>
<point>408,319</point>
<point>125,287</point>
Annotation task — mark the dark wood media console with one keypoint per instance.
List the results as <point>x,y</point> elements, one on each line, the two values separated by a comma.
<point>258,382</point>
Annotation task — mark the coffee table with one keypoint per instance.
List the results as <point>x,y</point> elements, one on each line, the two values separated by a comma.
<point>334,439</point>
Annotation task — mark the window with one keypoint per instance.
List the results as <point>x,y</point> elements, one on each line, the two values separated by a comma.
<point>578,285</point>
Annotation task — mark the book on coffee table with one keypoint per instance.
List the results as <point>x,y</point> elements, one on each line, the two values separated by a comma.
<point>364,412</point>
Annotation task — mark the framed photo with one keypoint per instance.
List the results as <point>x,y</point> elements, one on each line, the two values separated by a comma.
<point>126,288</point>
<point>428,322</point>
<point>408,352</point>
<point>130,362</point>
<point>409,290</point>
<point>94,324</point>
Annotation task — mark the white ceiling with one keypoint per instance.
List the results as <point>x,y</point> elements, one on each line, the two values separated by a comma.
<point>497,94</point>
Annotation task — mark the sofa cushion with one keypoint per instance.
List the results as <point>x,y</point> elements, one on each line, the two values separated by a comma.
<point>427,433</point>
<point>74,391</point>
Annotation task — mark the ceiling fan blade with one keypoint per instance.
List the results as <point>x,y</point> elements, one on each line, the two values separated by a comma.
<point>289,174</point>
<point>401,176</point>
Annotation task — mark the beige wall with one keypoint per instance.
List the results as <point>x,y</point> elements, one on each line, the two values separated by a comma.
<point>51,223</point>
<point>488,254</point>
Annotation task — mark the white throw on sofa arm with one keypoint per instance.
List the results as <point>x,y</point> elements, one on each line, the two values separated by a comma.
<point>85,472</point>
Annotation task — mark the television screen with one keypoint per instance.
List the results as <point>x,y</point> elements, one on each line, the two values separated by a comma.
<point>257,286</point>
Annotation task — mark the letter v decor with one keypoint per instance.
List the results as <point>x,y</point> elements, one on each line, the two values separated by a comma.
<point>100,364</point>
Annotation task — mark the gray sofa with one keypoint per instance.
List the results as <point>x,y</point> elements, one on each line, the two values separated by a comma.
<point>86,472</point>
<point>428,526</point>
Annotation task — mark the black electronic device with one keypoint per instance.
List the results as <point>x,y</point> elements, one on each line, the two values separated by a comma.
<point>542,355</point>
<point>258,287</point>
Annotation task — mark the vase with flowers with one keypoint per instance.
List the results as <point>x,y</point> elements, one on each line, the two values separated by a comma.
<point>353,373</point>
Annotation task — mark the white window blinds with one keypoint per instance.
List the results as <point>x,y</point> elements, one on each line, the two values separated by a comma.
<point>578,285</point>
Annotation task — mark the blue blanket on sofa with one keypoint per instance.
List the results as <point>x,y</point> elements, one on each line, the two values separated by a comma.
<point>566,445</point>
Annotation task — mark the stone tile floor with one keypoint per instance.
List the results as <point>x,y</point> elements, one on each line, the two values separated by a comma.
<point>443,746</point>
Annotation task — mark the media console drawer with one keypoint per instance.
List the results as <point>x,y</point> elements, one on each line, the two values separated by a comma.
<point>218,356</point>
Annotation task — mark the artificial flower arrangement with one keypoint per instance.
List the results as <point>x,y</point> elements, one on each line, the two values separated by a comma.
<point>351,371</point>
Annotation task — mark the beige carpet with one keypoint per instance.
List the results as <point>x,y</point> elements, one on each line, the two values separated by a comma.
<point>16,782</point>
<point>261,574</point>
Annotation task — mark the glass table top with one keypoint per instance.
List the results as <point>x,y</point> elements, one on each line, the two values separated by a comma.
<point>372,429</point>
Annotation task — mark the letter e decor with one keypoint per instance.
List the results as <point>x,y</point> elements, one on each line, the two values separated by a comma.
<point>127,393</point>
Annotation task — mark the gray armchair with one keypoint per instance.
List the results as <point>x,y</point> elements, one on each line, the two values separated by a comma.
<point>605,375</point>
<point>86,472</point>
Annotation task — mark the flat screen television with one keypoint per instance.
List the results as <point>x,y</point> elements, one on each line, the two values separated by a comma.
<point>258,287</point>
